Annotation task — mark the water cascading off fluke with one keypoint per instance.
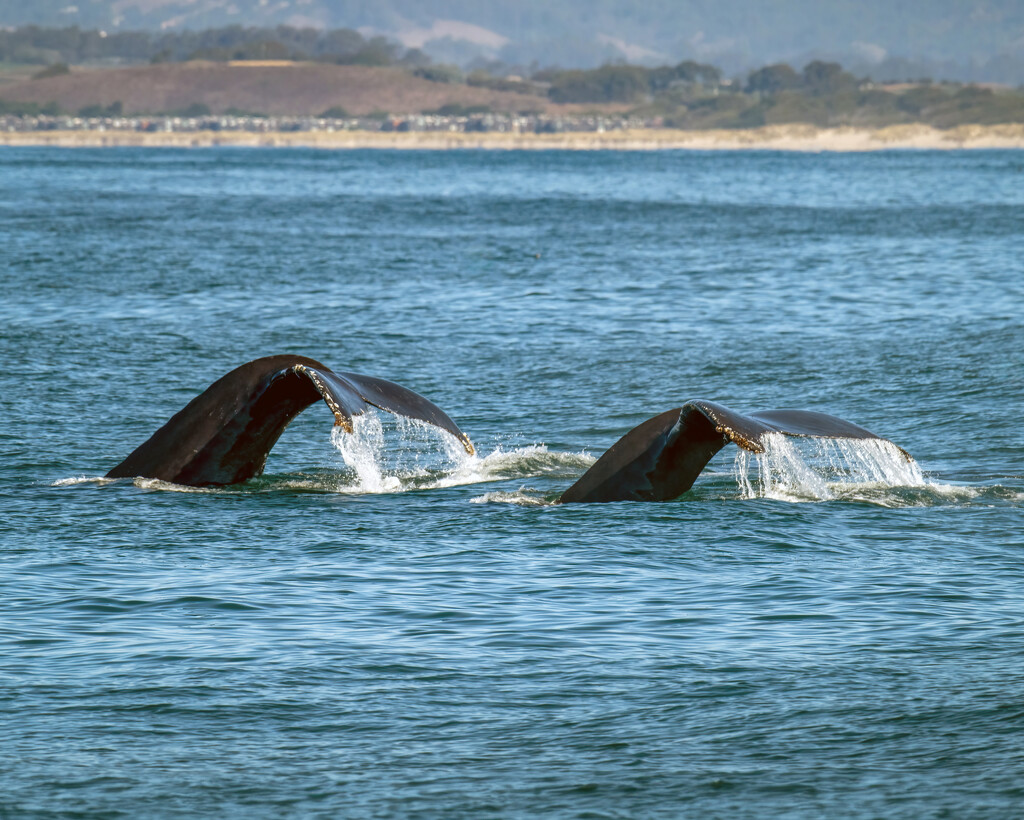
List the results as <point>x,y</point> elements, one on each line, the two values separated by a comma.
<point>821,469</point>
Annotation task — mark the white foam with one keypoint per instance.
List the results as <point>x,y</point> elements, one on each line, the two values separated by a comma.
<point>521,462</point>
<point>821,469</point>
<point>82,479</point>
<point>520,499</point>
<point>171,487</point>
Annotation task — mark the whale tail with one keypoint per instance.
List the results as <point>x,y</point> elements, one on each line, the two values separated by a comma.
<point>661,458</point>
<point>223,436</point>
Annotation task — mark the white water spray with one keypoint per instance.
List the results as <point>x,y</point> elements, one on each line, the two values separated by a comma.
<point>819,469</point>
<point>363,451</point>
<point>395,453</point>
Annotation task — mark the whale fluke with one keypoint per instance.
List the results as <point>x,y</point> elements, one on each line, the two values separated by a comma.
<point>223,436</point>
<point>660,459</point>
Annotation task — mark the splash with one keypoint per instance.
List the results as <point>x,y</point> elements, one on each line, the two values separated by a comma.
<point>521,498</point>
<point>74,481</point>
<point>822,469</point>
<point>394,453</point>
<point>363,451</point>
<point>520,462</point>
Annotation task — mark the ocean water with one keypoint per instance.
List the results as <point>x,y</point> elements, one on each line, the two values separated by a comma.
<point>382,627</point>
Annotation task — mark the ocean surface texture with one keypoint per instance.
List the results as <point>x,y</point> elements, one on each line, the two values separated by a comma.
<point>382,627</point>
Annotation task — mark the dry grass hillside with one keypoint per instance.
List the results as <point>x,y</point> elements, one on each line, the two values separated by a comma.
<point>298,88</point>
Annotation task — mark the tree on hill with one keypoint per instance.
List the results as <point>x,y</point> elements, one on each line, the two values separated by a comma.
<point>821,79</point>
<point>624,83</point>
<point>772,79</point>
<point>42,46</point>
<point>610,83</point>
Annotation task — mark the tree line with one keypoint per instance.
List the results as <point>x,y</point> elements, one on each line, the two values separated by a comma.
<point>687,95</point>
<point>42,46</point>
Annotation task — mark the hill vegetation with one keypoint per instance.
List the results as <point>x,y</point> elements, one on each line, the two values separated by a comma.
<point>202,87</point>
<point>37,45</point>
<point>964,40</point>
<point>303,71</point>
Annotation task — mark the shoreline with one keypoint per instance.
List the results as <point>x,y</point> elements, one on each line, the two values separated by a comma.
<point>801,138</point>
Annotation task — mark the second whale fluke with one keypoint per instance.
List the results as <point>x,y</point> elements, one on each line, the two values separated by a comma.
<point>223,436</point>
<point>661,458</point>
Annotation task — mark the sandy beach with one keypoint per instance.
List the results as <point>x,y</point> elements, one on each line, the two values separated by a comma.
<point>775,138</point>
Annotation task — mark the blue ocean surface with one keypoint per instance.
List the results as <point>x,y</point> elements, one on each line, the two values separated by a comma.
<point>380,626</point>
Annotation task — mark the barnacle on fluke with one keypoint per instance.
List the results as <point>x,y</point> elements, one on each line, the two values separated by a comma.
<point>223,436</point>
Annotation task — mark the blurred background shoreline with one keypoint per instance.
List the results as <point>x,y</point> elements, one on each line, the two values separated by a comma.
<point>239,80</point>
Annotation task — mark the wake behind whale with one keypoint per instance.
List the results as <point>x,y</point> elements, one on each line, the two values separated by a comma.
<point>225,434</point>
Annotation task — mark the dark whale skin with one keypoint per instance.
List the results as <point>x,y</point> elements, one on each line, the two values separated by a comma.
<point>223,436</point>
<point>660,459</point>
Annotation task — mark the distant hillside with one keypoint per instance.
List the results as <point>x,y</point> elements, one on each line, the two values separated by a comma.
<point>980,40</point>
<point>301,88</point>
<point>688,95</point>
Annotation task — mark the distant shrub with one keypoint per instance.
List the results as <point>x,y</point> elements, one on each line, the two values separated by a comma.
<point>335,112</point>
<point>92,111</point>
<point>415,58</point>
<point>772,79</point>
<point>625,83</point>
<point>378,51</point>
<point>725,111</point>
<point>610,83</point>
<point>196,109</point>
<point>240,112</point>
<point>217,54</point>
<point>29,55</point>
<point>19,109</point>
<point>263,50</point>
<point>791,107</point>
<point>441,73</point>
<point>821,79</point>
<point>458,110</point>
<point>687,73</point>
<point>982,106</point>
<point>52,70</point>
<point>917,100</point>
<point>481,79</point>
<point>878,107</point>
